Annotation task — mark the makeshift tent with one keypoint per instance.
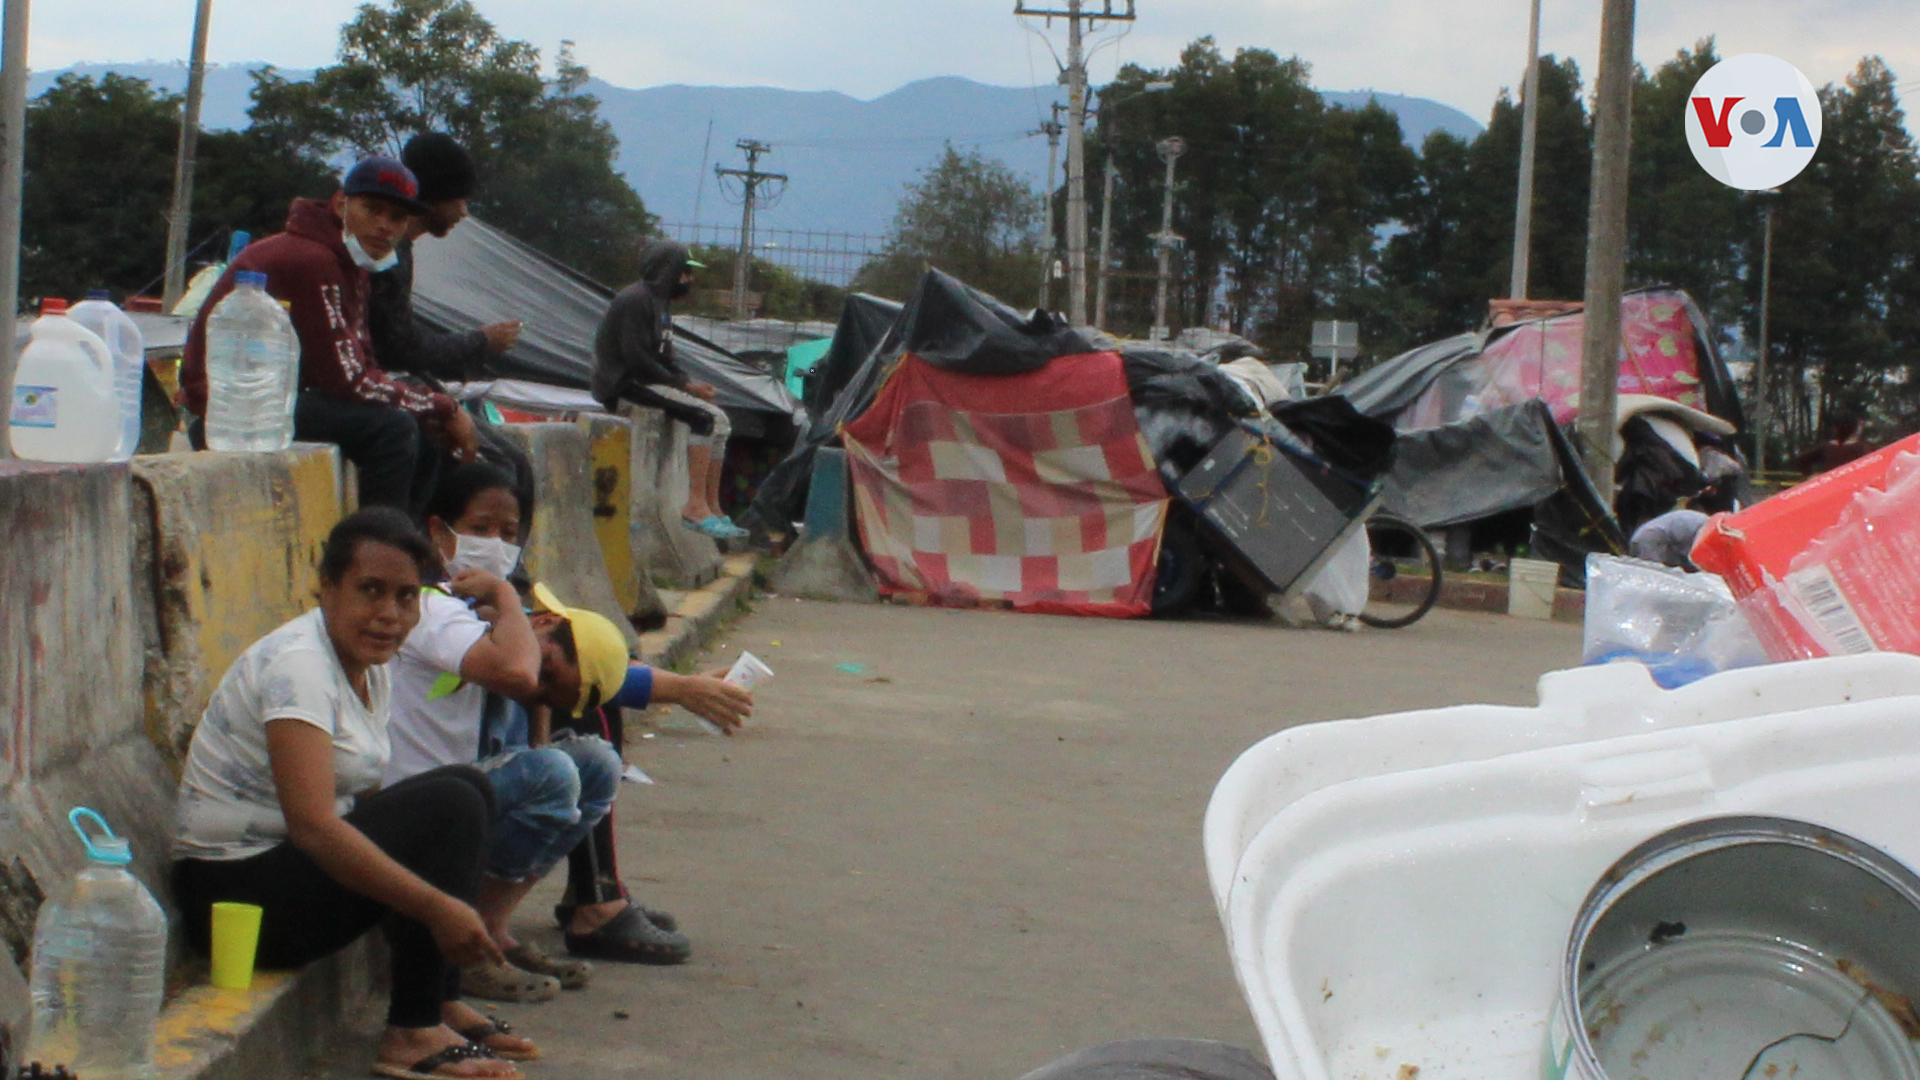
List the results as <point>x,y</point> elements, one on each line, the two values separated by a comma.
<point>1032,489</point>
<point>1666,351</point>
<point>1482,419</point>
<point>477,275</point>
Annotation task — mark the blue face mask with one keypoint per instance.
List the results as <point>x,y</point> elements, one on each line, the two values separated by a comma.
<point>365,261</point>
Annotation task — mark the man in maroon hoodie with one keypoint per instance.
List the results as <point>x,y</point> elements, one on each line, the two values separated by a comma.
<point>319,267</point>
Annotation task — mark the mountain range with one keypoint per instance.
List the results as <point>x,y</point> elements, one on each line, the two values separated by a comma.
<point>847,159</point>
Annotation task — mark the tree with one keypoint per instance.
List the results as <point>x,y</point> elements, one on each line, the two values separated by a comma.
<point>544,156</point>
<point>99,185</point>
<point>784,294</point>
<point>1279,200</point>
<point>1456,249</point>
<point>1846,332</point>
<point>969,215</point>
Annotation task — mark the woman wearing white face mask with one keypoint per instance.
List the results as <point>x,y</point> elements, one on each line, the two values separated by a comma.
<point>474,652</point>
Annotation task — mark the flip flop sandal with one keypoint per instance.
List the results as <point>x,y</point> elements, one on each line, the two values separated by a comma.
<point>629,938</point>
<point>504,982</point>
<point>563,914</point>
<point>573,974</point>
<point>425,1068</point>
<point>478,1035</point>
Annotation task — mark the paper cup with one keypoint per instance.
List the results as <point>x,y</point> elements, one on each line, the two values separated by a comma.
<point>236,934</point>
<point>748,672</point>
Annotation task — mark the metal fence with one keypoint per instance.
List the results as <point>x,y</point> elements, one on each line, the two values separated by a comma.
<point>830,257</point>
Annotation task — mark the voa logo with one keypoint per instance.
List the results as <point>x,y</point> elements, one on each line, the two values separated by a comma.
<point>1753,121</point>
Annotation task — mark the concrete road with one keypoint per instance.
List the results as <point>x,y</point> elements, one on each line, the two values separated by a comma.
<point>977,851</point>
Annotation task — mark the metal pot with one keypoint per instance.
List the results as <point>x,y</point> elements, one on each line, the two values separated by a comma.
<point>1739,948</point>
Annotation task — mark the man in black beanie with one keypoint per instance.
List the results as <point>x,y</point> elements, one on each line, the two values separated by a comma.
<point>401,343</point>
<point>445,172</point>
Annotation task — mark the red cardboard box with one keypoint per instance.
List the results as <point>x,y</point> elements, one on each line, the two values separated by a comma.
<point>1831,565</point>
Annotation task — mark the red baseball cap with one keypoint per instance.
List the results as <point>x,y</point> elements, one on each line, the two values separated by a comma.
<point>386,178</point>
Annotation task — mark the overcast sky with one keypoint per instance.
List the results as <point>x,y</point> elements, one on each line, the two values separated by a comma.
<point>1460,52</point>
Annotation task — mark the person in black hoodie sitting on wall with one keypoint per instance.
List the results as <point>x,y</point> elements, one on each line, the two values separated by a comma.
<point>633,361</point>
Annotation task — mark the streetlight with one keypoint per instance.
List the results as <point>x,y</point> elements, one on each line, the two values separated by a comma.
<point>1170,151</point>
<point>1106,196</point>
<point>1768,200</point>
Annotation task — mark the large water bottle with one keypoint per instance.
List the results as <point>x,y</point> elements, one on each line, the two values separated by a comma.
<point>253,369</point>
<point>65,404</point>
<point>122,335</point>
<point>99,966</point>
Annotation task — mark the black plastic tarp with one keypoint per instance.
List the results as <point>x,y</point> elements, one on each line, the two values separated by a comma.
<point>1391,385</point>
<point>947,323</point>
<point>1499,461</point>
<point>864,321</point>
<point>1509,459</point>
<point>477,275</point>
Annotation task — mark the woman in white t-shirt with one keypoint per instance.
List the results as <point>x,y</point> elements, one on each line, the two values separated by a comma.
<point>280,806</point>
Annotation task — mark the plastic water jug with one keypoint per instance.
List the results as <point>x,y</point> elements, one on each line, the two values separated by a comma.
<point>253,369</point>
<point>99,966</point>
<point>65,404</point>
<point>122,335</point>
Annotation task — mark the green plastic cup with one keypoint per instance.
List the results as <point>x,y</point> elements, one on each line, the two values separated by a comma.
<point>236,934</point>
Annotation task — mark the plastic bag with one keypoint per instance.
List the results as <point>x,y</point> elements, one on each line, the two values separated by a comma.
<point>1682,626</point>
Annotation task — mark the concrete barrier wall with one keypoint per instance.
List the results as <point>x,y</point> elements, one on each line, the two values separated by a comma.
<point>825,564</point>
<point>231,545</point>
<point>610,442</point>
<point>71,724</point>
<point>565,550</point>
<point>677,557</point>
<point>128,592</point>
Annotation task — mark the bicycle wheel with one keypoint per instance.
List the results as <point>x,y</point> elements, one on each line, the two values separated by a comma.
<point>1404,575</point>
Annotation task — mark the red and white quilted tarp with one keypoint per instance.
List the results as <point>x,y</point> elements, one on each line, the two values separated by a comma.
<point>1034,491</point>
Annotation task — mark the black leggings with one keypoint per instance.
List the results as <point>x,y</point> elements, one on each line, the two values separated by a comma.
<point>434,824</point>
<point>593,877</point>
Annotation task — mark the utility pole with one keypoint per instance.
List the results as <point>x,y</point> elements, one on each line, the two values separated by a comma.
<point>1529,135</point>
<point>13,159</point>
<point>1165,239</point>
<point>751,178</point>
<point>1111,123</point>
<point>1079,19</point>
<point>179,222</point>
<point>1762,415</point>
<point>1607,242</point>
<point>1106,242</point>
<point>1051,128</point>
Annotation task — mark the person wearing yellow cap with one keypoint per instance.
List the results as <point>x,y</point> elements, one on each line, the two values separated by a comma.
<point>476,653</point>
<point>597,916</point>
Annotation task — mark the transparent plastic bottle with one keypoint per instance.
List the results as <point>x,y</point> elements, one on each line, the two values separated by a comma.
<point>99,966</point>
<point>253,369</point>
<point>65,405</point>
<point>101,315</point>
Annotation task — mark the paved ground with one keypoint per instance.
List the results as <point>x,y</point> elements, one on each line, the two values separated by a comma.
<point>979,851</point>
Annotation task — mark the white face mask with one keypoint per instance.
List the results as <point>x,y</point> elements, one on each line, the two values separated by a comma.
<point>495,556</point>
<point>367,262</point>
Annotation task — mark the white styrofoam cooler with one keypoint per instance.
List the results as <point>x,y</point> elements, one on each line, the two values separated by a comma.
<point>1398,890</point>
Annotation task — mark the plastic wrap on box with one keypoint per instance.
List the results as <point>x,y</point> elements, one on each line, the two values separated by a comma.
<point>1834,568</point>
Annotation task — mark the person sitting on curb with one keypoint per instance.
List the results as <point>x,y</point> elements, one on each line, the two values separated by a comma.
<point>633,361</point>
<point>452,680</point>
<point>281,806</point>
<point>597,915</point>
<point>319,266</point>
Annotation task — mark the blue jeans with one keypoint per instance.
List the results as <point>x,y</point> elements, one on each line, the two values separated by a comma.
<point>550,798</point>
